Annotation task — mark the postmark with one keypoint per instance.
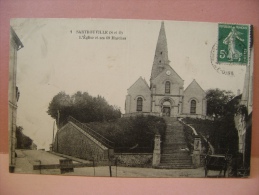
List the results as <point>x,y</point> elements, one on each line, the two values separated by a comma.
<point>233,44</point>
<point>220,68</point>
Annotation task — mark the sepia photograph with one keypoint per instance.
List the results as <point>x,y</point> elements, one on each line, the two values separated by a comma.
<point>130,98</point>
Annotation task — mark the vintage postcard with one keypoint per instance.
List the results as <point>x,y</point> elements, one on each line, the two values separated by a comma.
<point>130,98</point>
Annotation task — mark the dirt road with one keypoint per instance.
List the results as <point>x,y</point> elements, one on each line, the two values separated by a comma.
<point>27,158</point>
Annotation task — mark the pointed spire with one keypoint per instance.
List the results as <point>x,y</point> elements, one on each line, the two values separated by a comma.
<point>161,54</point>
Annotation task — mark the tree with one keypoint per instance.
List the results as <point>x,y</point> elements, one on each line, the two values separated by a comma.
<point>82,106</point>
<point>217,102</point>
<point>23,141</point>
<point>60,107</point>
<point>224,106</point>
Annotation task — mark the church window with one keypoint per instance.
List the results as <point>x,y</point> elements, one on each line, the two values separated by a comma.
<point>193,107</point>
<point>139,104</point>
<point>167,87</point>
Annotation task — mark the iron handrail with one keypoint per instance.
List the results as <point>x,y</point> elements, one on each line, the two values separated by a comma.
<point>93,133</point>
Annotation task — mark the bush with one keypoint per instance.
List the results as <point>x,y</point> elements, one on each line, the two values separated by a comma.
<point>134,134</point>
<point>222,133</point>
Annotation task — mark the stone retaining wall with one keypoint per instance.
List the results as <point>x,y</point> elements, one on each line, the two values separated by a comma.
<point>73,141</point>
<point>134,160</point>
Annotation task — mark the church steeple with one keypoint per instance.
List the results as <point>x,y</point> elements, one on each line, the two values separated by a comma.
<point>161,54</point>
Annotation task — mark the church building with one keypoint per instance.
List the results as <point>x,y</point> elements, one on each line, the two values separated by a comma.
<point>165,96</point>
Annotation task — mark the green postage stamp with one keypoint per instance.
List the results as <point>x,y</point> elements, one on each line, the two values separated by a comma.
<point>233,43</point>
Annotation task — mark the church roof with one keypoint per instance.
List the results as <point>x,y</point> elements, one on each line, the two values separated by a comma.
<point>175,72</point>
<point>174,76</point>
<point>193,83</point>
<point>140,79</point>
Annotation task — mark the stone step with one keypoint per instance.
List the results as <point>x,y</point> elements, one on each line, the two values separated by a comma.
<point>183,160</point>
<point>178,156</point>
<point>180,142</point>
<point>179,163</point>
<point>171,152</point>
<point>165,166</point>
<point>174,127</point>
<point>180,133</point>
<point>175,140</point>
<point>177,146</point>
<point>176,153</point>
<point>174,145</point>
<point>175,149</point>
<point>175,124</point>
<point>175,133</point>
<point>176,165</point>
<point>172,156</point>
<point>174,137</point>
<point>182,163</point>
<point>177,160</point>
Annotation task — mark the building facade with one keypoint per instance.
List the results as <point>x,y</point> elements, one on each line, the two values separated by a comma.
<point>13,95</point>
<point>165,96</point>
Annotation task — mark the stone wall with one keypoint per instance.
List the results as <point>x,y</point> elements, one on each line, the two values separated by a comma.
<point>134,160</point>
<point>15,45</point>
<point>73,141</point>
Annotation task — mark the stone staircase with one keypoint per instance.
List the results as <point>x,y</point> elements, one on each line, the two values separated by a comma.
<point>174,153</point>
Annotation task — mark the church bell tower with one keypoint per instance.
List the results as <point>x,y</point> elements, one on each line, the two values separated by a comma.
<point>161,54</point>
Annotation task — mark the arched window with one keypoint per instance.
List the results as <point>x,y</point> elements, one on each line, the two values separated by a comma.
<point>193,107</point>
<point>139,104</point>
<point>167,87</point>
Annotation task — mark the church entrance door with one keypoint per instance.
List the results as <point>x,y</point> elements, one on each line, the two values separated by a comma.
<point>166,111</point>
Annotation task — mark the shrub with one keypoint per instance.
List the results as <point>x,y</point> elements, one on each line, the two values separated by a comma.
<point>134,134</point>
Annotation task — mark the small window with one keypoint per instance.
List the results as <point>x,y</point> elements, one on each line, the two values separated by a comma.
<point>139,104</point>
<point>161,52</point>
<point>193,107</point>
<point>167,87</point>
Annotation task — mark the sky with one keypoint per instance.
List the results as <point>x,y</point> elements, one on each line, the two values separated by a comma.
<point>73,55</point>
